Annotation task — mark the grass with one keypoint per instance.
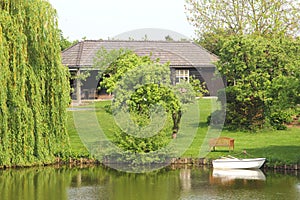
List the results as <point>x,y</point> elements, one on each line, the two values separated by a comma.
<point>279,147</point>
<point>77,147</point>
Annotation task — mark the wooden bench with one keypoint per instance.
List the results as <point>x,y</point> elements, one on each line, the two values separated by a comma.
<point>221,142</point>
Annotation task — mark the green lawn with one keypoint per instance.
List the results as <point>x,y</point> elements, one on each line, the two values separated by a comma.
<point>279,147</point>
<point>77,148</point>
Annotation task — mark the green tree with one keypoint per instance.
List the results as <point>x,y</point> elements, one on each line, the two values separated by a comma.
<point>144,105</point>
<point>143,98</point>
<point>65,42</point>
<point>263,80</point>
<point>262,17</point>
<point>255,41</point>
<point>169,38</point>
<point>34,89</point>
<point>199,88</point>
<point>217,19</point>
<point>114,64</point>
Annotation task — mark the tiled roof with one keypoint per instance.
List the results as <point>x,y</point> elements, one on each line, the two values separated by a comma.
<point>177,53</point>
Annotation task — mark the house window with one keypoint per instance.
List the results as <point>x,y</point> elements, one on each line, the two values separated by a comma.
<point>182,74</point>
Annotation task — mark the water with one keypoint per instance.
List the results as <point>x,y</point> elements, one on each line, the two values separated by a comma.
<point>98,182</point>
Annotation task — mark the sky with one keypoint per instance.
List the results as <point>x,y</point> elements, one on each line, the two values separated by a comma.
<point>121,19</point>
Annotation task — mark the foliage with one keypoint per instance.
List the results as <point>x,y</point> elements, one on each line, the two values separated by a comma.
<point>265,17</point>
<point>198,87</point>
<point>35,90</point>
<point>217,20</point>
<point>169,38</point>
<point>185,92</point>
<point>255,41</point>
<point>213,40</point>
<point>143,98</point>
<point>114,64</point>
<point>65,42</point>
<point>263,79</point>
<point>144,102</point>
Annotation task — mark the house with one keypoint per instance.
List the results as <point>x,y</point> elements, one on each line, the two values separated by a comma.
<point>186,59</point>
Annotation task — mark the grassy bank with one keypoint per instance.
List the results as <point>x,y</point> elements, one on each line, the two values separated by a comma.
<point>279,147</point>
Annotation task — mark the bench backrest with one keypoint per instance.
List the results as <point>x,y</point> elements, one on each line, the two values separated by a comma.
<point>221,141</point>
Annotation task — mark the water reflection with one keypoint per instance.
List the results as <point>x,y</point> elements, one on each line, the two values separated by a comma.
<point>229,175</point>
<point>185,179</point>
<point>298,187</point>
<point>37,183</point>
<point>185,183</point>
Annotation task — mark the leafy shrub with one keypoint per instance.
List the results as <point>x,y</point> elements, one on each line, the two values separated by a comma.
<point>185,92</point>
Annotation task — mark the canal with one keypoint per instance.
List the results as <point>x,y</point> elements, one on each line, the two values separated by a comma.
<point>98,182</point>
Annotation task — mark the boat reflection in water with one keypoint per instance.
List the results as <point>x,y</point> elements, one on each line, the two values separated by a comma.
<point>228,175</point>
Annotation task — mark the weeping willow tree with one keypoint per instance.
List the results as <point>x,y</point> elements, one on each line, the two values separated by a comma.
<point>34,88</point>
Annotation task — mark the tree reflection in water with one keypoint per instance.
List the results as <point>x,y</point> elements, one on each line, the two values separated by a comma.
<point>97,182</point>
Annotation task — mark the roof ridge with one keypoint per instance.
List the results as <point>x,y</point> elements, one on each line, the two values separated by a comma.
<point>150,41</point>
<point>78,59</point>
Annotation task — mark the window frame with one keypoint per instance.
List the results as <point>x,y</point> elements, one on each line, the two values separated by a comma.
<point>182,74</point>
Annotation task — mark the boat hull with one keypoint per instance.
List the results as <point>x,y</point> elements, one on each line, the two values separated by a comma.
<point>228,163</point>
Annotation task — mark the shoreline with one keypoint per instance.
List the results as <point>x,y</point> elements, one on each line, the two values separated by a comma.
<point>175,162</point>
<point>208,162</point>
<point>203,162</point>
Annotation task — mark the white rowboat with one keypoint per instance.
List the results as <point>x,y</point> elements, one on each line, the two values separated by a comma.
<point>236,163</point>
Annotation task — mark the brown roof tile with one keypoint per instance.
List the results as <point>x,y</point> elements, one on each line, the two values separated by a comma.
<point>177,53</point>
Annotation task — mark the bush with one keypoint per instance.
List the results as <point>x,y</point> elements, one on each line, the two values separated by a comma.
<point>185,92</point>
